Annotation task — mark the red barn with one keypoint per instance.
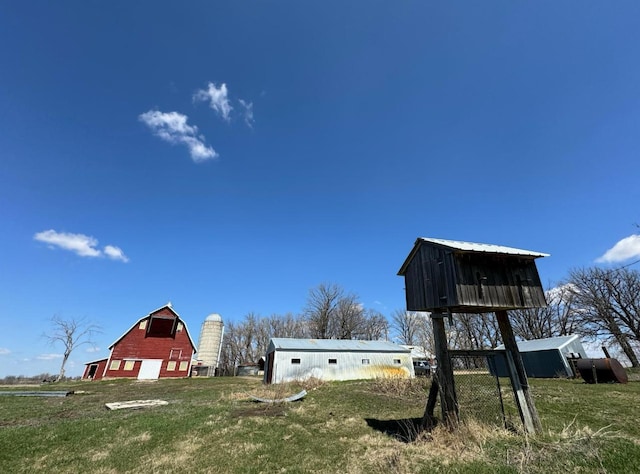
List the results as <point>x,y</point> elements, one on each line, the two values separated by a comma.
<point>158,345</point>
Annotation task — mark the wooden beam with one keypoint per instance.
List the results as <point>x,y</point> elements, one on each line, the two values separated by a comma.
<point>518,376</point>
<point>444,373</point>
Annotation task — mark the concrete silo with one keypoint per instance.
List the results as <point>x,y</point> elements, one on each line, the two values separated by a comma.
<point>210,345</point>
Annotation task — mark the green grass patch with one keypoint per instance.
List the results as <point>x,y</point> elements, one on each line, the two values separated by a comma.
<point>211,425</point>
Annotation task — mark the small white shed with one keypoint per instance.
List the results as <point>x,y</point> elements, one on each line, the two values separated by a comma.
<point>335,359</point>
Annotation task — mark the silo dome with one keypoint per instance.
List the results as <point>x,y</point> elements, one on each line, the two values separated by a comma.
<point>214,317</point>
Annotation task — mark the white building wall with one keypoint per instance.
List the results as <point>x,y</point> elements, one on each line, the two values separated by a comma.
<point>347,366</point>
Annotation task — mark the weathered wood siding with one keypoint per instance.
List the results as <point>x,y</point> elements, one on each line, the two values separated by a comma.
<point>497,282</point>
<point>430,279</point>
<point>140,344</point>
<point>439,279</point>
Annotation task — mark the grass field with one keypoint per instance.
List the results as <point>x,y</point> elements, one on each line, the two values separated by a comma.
<point>210,425</point>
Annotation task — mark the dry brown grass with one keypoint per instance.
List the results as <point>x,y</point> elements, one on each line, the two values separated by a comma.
<point>401,387</point>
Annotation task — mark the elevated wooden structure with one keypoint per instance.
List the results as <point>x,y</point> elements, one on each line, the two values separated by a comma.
<point>448,276</point>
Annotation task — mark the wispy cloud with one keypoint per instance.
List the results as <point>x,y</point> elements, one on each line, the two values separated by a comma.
<point>248,112</point>
<point>115,253</point>
<point>80,244</point>
<point>93,349</point>
<point>4,351</point>
<point>625,249</point>
<point>49,356</point>
<point>218,99</point>
<point>172,127</point>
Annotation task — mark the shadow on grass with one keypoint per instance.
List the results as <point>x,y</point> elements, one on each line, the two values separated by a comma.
<point>406,430</point>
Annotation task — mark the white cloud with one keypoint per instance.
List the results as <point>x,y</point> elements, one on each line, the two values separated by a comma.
<point>93,349</point>
<point>80,244</point>
<point>115,253</point>
<point>248,112</point>
<point>218,99</point>
<point>627,248</point>
<point>49,356</point>
<point>4,351</point>
<point>172,127</point>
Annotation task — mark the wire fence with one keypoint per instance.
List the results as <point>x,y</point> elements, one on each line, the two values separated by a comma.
<point>481,394</point>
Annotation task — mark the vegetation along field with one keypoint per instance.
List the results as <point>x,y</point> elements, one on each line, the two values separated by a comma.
<point>211,425</point>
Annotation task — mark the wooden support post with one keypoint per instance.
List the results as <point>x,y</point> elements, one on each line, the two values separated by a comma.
<point>518,376</point>
<point>444,372</point>
<point>428,420</point>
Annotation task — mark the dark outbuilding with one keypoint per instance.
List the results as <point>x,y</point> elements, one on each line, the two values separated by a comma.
<point>464,277</point>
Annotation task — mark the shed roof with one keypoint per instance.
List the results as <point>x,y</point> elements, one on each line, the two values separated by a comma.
<point>337,345</point>
<point>543,344</point>
<point>469,247</point>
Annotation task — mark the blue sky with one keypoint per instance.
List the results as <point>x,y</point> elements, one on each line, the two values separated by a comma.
<point>229,156</point>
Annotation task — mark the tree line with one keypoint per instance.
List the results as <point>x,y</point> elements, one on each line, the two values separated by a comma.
<point>330,313</point>
<point>597,304</point>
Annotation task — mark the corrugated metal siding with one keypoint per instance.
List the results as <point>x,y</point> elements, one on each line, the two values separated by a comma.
<point>348,366</point>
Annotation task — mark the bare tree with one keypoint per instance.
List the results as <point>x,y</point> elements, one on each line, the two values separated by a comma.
<point>607,306</point>
<point>558,318</point>
<point>321,308</point>
<point>375,326</point>
<point>474,331</point>
<point>348,318</point>
<point>71,333</point>
<point>406,325</point>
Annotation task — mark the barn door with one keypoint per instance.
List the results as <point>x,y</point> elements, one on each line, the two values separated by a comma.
<point>269,371</point>
<point>150,369</point>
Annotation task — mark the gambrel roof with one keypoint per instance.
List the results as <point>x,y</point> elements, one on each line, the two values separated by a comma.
<point>170,308</point>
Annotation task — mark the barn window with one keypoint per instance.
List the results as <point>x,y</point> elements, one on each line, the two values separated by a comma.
<point>175,354</point>
<point>295,361</point>
<point>143,324</point>
<point>333,361</point>
<point>366,361</point>
<point>115,365</point>
<point>128,364</point>
<point>179,327</point>
<point>171,365</point>
<point>184,365</point>
<point>397,361</point>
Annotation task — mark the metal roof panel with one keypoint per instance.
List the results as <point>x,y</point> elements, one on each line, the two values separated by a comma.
<point>282,343</point>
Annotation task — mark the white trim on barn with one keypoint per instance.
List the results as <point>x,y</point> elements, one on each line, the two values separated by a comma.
<point>335,359</point>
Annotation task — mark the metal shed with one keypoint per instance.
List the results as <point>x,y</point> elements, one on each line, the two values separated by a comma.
<point>544,358</point>
<point>335,359</point>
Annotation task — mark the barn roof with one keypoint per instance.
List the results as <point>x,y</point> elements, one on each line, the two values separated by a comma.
<point>543,344</point>
<point>170,308</point>
<point>468,247</point>
<point>96,361</point>
<point>336,345</point>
